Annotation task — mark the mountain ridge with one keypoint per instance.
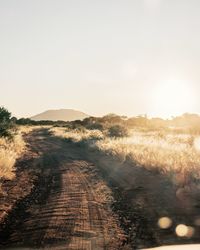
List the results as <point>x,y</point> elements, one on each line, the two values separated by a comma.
<point>60,115</point>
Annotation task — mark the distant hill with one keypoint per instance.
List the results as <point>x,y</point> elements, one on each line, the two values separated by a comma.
<point>60,115</point>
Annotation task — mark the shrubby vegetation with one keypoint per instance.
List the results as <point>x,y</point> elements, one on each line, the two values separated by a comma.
<point>12,144</point>
<point>166,145</point>
<point>118,131</point>
<point>187,123</point>
<point>10,150</point>
<point>5,122</point>
<point>27,121</point>
<point>171,147</point>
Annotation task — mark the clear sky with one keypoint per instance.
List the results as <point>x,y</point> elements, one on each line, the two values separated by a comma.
<point>100,56</point>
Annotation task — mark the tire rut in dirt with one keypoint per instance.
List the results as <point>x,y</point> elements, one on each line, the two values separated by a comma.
<point>20,213</point>
<point>62,210</point>
<point>61,213</point>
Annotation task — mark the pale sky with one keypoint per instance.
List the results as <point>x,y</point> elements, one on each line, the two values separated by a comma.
<point>100,56</point>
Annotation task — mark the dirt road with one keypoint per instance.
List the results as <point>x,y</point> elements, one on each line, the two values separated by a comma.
<point>71,196</point>
<point>57,201</point>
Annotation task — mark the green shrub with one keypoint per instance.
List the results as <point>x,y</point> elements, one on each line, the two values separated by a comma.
<point>5,122</point>
<point>118,131</point>
<point>95,126</point>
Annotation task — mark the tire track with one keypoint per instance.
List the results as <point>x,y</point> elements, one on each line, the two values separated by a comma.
<point>71,215</point>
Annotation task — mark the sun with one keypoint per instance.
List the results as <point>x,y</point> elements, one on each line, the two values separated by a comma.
<point>172,98</point>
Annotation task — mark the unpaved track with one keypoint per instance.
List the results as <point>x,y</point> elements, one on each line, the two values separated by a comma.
<point>65,210</point>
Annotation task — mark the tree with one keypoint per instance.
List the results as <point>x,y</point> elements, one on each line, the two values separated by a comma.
<point>5,122</point>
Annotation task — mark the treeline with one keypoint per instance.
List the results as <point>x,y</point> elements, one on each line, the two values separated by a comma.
<point>115,124</point>
<point>188,122</point>
<point>8,123</point>
<point>27,121</point>
<point>141,121</point>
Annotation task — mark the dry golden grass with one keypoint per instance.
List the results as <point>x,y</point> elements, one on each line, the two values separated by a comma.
<point>11,150</point>
<point>26,129</point>
<point>174,154</point>
<point>77,135</point>
<point>167,153</point>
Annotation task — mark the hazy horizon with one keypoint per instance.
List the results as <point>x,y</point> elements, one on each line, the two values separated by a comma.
<point>129,116</point>
<point>125,57</point>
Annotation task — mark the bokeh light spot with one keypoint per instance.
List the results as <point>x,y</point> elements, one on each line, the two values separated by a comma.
<point>164,222</point>
<point>181,230</point>
<point>184,231</point>
<point>191,232</point>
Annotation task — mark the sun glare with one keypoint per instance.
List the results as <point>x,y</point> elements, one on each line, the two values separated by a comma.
<point>172,98</point>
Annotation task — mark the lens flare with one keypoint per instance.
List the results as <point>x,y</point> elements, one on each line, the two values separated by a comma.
<point>164,222</point>
<point>191,232</point>
<point>184,231</point>
<point>181,230</point>
<point>170,98</point>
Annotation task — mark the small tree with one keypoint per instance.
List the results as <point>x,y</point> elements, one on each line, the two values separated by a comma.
<point>5,122</point>
<point>118,131</point>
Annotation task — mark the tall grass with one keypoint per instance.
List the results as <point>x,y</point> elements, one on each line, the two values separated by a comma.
<point>77,135</point>
<point>10,150</point>
<point>171,155</point>
<point>174,154</point>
